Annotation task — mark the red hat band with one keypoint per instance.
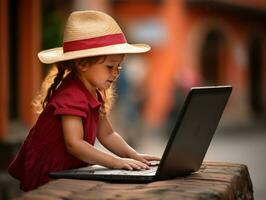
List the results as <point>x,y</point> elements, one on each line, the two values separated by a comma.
<point>96,42</point>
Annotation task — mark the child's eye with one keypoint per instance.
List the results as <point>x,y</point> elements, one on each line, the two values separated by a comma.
<point>110,66</point>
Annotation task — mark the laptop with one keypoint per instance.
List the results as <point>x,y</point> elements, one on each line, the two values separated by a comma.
<point>186,147</point>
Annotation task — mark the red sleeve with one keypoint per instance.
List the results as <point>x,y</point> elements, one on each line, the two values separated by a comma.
<point>70,102</point>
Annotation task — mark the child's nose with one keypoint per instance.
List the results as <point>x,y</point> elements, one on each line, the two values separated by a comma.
<point>116,71</point>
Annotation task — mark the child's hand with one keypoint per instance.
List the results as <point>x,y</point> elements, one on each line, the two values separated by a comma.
<point>145,158</point>
<point>129,164</point>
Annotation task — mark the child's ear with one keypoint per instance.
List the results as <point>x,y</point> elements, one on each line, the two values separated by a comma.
<point>83,67</point>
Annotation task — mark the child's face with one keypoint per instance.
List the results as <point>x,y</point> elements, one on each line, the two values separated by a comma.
<point>102,74</point>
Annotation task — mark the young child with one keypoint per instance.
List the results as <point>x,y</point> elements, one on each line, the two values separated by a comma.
<point>74,108</point>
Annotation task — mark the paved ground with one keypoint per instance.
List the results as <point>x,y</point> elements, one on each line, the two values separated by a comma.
<point>248,148</point>
<point>238,143</point>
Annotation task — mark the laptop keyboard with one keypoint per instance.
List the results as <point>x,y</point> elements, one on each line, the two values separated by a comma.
<point>151,171</point>
<point>102,170</point>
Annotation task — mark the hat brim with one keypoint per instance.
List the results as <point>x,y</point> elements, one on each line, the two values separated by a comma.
<point>56,54</point>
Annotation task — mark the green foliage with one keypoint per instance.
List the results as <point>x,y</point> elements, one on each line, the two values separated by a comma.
<point>52,30</point>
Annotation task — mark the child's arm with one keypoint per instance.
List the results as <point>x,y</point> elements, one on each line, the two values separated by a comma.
<point>73,136</point>
<point>116,144</point>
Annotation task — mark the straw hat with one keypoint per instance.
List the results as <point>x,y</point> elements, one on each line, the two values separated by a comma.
<point>91,33</point>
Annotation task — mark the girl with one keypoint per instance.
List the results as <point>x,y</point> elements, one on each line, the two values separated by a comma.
<point>74,108</point>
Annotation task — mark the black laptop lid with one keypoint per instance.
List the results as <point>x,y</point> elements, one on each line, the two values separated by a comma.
<point>193,131</point>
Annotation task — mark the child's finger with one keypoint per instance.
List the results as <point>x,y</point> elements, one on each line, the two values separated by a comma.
<point>142,165</point>
<point>135,166</point>
<point>150,158</point>
<point>128,167</point>
<point>144,161</point>
<point>140,158</point>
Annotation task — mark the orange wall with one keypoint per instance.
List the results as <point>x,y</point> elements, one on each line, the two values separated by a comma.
<point>29,66</point>
<point>3,69</point>
<point>167,61</point>
<point>179,56</point>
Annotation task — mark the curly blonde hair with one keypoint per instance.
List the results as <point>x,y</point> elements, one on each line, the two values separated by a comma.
<point>55,77</point>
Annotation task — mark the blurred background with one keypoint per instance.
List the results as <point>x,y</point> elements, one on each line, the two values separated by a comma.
<point>194,43</point>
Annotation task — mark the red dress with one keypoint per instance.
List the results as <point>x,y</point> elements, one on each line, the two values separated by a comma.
<point>44,151</point>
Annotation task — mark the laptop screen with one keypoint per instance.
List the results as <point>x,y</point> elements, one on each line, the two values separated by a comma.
<point>194,130</point>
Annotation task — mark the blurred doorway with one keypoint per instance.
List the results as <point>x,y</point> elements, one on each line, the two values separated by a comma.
<point>255,73</point>
<point>212,57</point>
